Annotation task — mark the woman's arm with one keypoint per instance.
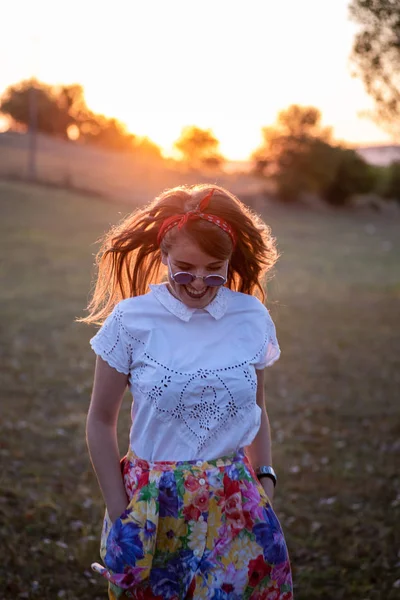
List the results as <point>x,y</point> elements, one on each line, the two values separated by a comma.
<point>101,435</point>
<point>259,451</point>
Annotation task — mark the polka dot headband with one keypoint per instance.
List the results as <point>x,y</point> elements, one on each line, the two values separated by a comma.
<point>198,213</point>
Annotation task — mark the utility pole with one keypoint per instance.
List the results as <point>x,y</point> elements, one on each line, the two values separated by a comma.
<point>33,114</point>
<point>32,133</point>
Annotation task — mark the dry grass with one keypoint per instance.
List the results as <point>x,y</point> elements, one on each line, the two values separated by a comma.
<point>332,398</point>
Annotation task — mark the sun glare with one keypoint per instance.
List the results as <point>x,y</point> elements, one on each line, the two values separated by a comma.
<point>73,132</point>
<point>4,124</point>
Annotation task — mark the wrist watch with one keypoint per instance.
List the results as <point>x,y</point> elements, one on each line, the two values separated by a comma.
<point>266,471</point>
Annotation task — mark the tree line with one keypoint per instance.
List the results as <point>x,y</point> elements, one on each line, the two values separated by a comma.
<point>62,111</point>
<point>297,152</point>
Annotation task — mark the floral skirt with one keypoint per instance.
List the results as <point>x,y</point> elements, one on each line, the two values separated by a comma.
<point>195,530</point>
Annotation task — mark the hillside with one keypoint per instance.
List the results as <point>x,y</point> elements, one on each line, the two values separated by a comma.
<point>129,177</point>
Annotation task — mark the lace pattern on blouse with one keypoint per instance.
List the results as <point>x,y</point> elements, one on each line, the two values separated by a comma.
<point>202,402</point>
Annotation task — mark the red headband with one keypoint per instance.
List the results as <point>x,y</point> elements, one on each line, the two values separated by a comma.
<point>198,213</point>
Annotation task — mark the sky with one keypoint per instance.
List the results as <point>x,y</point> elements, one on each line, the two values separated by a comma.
<point>225,65</point>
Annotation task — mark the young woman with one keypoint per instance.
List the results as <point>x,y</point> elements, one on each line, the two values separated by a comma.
<point>189,511</point>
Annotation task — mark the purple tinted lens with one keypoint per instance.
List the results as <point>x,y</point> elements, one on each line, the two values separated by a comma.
<point>214,280</point>
<point>183,278</point>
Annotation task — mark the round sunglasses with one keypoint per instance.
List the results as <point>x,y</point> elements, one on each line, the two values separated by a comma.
<point>183,277</point>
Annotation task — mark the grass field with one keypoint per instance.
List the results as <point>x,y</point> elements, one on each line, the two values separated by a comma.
<point>333,398</point>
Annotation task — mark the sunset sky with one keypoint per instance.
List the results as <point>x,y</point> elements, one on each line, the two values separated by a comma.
<point>228,65</point>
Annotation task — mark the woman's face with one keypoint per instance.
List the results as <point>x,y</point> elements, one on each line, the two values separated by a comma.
<point>186,255</point>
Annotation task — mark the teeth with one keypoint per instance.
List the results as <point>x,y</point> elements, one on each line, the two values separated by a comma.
<point>198,294</point>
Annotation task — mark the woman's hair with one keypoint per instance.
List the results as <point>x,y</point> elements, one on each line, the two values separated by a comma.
<point>130,256</point>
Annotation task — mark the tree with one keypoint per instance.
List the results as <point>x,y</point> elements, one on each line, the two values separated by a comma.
<point>296,153</point>
<point>57,108</point>
<point>376,56</point>
<point>148,148</point>
<point>62,108</point>
<point>110,133</point>
<point>199,147</point>
<point>302,122</point>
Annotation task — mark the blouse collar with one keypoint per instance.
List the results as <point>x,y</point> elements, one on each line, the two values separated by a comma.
<point>216,308</point>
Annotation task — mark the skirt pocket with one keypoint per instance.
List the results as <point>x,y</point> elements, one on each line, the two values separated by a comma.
<point>127,545</point>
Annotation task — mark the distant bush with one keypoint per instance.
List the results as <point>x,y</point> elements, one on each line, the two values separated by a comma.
<point>392,189</point>
<point>352,175</point>
<point>381,175</point>
<point>199,147</point>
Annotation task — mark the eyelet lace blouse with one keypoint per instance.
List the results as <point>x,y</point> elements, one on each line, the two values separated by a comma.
<point>191,372</point>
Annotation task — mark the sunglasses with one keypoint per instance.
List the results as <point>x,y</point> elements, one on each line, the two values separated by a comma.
<point>183,277</point>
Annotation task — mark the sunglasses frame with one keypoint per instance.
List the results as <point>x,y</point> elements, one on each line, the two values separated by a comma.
<point>194,277</point>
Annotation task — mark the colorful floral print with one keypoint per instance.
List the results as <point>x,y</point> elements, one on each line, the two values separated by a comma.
<point>201,530</point>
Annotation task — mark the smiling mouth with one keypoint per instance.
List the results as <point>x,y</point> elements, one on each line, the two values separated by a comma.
<point>195,295</point>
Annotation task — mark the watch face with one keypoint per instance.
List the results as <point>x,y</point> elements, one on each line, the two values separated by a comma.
<point>266,471</point>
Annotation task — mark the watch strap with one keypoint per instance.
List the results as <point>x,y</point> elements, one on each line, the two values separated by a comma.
<point>266,471</point>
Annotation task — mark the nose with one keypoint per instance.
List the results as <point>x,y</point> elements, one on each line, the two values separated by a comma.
<point>198,283</point>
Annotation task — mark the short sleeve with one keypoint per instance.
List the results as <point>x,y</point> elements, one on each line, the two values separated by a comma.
<point>109,342</point>
<point>271,351</point>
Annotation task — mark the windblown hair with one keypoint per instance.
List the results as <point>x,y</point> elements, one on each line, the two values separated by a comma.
<point>130,256</point>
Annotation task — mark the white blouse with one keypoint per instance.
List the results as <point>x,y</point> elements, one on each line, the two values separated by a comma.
<point>192,372</point>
